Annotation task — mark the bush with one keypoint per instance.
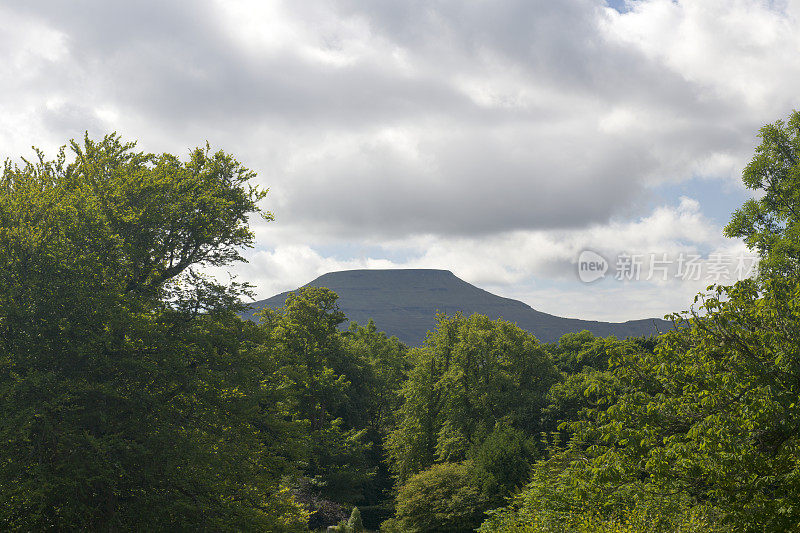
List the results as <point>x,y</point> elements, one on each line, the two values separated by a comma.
<point>446,497</point>
<point>355,524</point>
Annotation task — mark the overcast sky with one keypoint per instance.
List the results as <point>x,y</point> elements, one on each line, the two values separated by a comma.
<point>494,139</point>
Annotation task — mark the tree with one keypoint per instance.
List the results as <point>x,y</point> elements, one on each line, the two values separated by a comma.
<point>443,498</point>
<point>469,424</point>
<point>705,426</point>
<point>379,398</point>
<point>502,462</point>
<point>354,523</point>
<point>320,377</point>
<point>132,399</point>
<point>586,381</point>
<point>770,225</point>
<point>344,389</point>
<point>470,374</point>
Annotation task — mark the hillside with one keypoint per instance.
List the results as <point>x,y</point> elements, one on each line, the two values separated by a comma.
<point>404,303</point>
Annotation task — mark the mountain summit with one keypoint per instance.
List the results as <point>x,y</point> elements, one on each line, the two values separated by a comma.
<point>404,303</point>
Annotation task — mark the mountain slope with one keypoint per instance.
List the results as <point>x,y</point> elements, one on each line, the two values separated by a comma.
<point>405,302</point>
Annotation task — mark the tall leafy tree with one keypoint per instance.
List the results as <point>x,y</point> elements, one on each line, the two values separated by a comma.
<point>703,429</point>
<point>130,397</point>
<point>469,423</point>
<point>344,389</point>
<point>770,223</point>
<point>379,398</point>
<point>470,374</point>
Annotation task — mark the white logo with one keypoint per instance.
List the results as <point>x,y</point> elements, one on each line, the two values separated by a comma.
<point>591,266</point>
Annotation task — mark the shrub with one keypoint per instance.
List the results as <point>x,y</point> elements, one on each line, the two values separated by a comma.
<point>446,497</point>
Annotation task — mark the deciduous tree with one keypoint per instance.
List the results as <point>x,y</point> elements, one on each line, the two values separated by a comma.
<point>130,395</point>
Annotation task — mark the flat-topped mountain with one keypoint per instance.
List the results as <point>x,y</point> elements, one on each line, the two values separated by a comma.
<point>404,303</point>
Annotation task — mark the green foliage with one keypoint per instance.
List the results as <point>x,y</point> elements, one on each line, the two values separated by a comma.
<point>467,430</point>
<point>303,337</point>
<point>351,525</point>
<point>378,399</point>
<point>341,527</point>
<point>445,497</point>
<point>354,523</point>
<point>343,388</point>
<point>770,224</point>
<point>586,383</point>
<point>575,351</point>
<point>502,462</point>
<point>471,374</point>
<point>131,396</point>
<point>707,420</point>
<point>656,517</point>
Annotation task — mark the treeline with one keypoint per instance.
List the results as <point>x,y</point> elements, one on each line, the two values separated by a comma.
<point>135,398</point>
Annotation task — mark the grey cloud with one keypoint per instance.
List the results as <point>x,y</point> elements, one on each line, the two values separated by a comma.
<point>173,63</point>
<point>470,184</point>
<point>175,68</point>
<point>71,119</point>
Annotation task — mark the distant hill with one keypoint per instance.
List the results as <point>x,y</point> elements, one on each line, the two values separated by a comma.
<point>404,303</point>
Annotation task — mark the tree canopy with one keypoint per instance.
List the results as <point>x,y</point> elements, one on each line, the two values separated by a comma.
<point>770,223</point>
<point>130,398</point>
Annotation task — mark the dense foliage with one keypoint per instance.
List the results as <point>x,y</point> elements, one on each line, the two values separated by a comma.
<point>472,377</point>
<point>343,389</point>
<point>468,427</point>
<point>128,394</point>
<point>770,223</point>
<point>135,398</point>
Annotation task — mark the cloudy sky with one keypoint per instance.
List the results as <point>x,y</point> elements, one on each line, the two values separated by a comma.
<point>494,139</point>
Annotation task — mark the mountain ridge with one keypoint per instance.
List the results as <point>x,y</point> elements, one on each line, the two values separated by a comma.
<point>404,303</point>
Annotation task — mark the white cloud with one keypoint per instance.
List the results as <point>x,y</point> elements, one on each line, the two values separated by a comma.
<point>288,267</point>
<point>495,139</point>
<point>452,118</point>
<point>734,50</point>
